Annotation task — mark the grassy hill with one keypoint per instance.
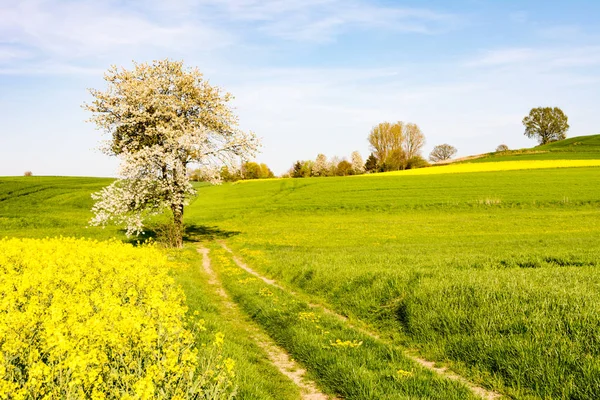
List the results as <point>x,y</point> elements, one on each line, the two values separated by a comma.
<point>50,206</point>
<point>576,148</point>
<point>493,273</point>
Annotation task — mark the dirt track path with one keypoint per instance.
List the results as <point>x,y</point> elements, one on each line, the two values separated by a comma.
<point>430,365</point>
<point>278,356</point>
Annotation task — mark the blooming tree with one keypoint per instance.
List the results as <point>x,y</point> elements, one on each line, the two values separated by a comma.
<point>358,165</point>
<point>320,167</point>
<point>162,117</point>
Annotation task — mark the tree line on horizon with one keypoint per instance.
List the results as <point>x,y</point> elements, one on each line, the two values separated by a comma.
<point>394,146</point>
<point>247,170</point>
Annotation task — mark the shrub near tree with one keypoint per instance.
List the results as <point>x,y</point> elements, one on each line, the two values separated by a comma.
<point>160,118</point>
<point>546,124</point>
<point>344,168</point>
<point>252,170</point>
<point>228,174</point>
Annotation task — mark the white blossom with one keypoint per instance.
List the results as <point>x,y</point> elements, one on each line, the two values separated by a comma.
<point>162,117</point>
<point>358,165</point>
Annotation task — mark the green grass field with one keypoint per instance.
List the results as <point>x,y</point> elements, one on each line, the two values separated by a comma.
<point>493,274</point>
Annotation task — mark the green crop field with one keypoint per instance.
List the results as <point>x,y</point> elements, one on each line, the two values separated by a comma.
<point>492,274</point>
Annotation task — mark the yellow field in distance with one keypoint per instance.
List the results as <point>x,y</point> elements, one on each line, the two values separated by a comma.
<point>493,166</point>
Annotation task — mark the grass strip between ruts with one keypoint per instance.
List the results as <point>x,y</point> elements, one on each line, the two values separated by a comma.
<point>340,358</point>
<point>255,378</point>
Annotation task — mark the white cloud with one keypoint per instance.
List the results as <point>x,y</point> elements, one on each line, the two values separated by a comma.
<point>62,32</point>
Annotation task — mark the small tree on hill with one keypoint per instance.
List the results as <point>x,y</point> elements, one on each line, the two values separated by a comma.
<point>442,152</point>
<point>502,148</point>
<point>162,117</point>
<point>547,124</point>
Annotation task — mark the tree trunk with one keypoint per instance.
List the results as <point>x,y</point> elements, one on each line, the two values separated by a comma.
<point>177,225</point>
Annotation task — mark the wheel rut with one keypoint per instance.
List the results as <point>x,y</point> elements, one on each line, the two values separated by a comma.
<point>430,365</point>
<point>277,355</point>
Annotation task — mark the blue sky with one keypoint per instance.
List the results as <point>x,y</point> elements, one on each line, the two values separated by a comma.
<point>309,76</point>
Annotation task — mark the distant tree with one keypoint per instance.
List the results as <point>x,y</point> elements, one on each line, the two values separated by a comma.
<point>307,168</point>
<point>195,176</point>
<point>502,148</point>
<point>386,138</point>
<point>442,152</point>
<point>251,170</point>
<point>395,160</point>
<point>332,166</point>
<point>302,169</point>
<point>414,140</point>
<point>393,144</point>
<point>547,124</point>
<point>296,171</point>
<point>320,167</point>
<point>358,165</point>
<point>28,173</point>
<point>228,174</point>
<point>371,163</point>
<point>265,172</point>
<point>344,168</point>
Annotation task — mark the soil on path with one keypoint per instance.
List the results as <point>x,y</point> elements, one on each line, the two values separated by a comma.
<point>278,356</point>
<point>430,365</point>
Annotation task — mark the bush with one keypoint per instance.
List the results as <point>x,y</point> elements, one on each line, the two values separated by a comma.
<point>501,148</point>
<point>28,173</point>
<point>416,162</point>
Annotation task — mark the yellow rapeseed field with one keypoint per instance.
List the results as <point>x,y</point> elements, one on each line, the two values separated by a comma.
<point>87,319</point>
<point>494,166</point>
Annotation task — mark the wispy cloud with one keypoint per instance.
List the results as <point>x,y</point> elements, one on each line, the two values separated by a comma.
<point>539,58</point>
<point>324,20</point>
<point>498,57</point>
<point>78,33</point>
<point>83,33</point>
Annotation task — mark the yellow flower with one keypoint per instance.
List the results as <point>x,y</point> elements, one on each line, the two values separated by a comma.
<point>85,318</point>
